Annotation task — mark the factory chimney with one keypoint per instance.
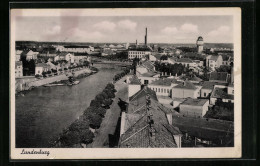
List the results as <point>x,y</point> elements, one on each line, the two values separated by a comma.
<point>145,37</point>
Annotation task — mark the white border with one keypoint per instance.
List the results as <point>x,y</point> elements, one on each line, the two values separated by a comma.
<point>137,153</point>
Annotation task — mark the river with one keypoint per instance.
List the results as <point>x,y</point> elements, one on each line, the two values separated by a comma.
<point>45,111</point>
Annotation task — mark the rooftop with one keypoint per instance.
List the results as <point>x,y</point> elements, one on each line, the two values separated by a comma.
<point>164,82</point>
<point>184,60</point>
<point>209,85</point>
<point>220,76</point>
<point>221,93</point>
<point>42,65</point>
<point>134,80</point>
<point>194,102</point>
<point>186,85</point>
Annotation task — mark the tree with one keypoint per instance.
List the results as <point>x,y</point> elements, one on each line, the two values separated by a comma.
<point>95,110</point>
<point>86,136</point>
<point>95,103</point>
<point>94,121</point>
<point>99,97</point>
<point>107,102</point>
<point>70,138</point>
<point>79,125</point>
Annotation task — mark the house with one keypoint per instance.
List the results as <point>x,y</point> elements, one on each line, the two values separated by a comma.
<point>147,78</point>
<point>18,55</point>
<point>163,86</point>
<point>31,55</point>
<point>192,78</point>
<point>134,85</point>
<point>41,67</point>
<point>146,124</point>
<point>18,69</point>
<point>213,61</point>
<point>52,66</point>
<point>79,57</point>
<point>107,52</point>
<point>207,88</point>
<point>220,77</point>
<point>194,107</point>
<point>225,94</point>
<point>65,56</point>
<point>186,89</point>
<point>186,62</point>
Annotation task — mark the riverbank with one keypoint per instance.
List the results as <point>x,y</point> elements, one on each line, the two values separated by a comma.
<point>44,112</point>
<point>22,86</point>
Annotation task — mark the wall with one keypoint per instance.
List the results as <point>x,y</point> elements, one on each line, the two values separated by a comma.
<point>166,90</point>
<point>133,89</point>
<point>191,110</point>
<point>183,93</point>
<point>207,91</point>
<point>150,79</point>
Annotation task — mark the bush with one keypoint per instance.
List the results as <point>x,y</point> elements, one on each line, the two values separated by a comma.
<point>37,76</point>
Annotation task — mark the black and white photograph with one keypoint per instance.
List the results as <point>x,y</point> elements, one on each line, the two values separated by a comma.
<point>125,83</point>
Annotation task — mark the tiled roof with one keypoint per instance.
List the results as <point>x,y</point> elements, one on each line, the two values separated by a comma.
<point>191,78</point>
<point>142,94</point>
<point>149,74</point>
<point>184,60</point>
<point>164,82</point>
<point>134,80</point>
<point>186,85</point>
<point>194,102</point>
<point>220,76</point>
<point>209,85</point>
<point>221,93</point>
<point>148,65</point>
<point>138,135</point>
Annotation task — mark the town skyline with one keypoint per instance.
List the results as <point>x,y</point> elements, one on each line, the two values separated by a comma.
<point>125,29</point>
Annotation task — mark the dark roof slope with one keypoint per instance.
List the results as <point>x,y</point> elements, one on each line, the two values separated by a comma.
<point>219,76</point>
<point>186,85</point>
<point>134,80</point>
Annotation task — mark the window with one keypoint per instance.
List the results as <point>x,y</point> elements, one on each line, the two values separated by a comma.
<point>232,91</point>
<point>205,94</point>
<point>158,89</point>
<point>155,89</point>
<point>164,90</point>
<point>168,91</point>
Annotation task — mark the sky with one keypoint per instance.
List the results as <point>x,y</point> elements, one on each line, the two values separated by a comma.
<point>124,29</point>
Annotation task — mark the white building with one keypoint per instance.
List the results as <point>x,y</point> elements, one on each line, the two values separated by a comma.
<point>138,54</point>
<point>65,56</point>
<point>213,62</point>
<point>31,55</point>
<point>79,49</point>
<point>18,69</point>
<point>18,55</point>
<point>194,107</point>
<point>42,67</point>
<point>163,86</point>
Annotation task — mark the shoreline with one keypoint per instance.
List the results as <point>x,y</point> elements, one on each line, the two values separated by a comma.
<point>80,76</point>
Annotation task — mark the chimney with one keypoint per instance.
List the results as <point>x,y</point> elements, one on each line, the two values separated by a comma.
<point>169,118</point>
<point>177,139</point>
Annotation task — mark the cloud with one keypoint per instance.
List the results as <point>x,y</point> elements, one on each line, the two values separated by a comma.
<point>54,30</point>
<point>222,30</point>
<point>189,28</point>
<point>170,30</point>
<point>105,25</point>
<point>127,24</point>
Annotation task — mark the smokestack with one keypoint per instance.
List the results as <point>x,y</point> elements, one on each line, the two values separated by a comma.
<point>145,37</point>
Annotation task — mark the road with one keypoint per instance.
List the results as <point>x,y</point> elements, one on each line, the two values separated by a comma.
<point>109,123</point>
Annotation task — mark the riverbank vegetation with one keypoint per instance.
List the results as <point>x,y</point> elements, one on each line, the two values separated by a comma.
<point>81,132</point>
